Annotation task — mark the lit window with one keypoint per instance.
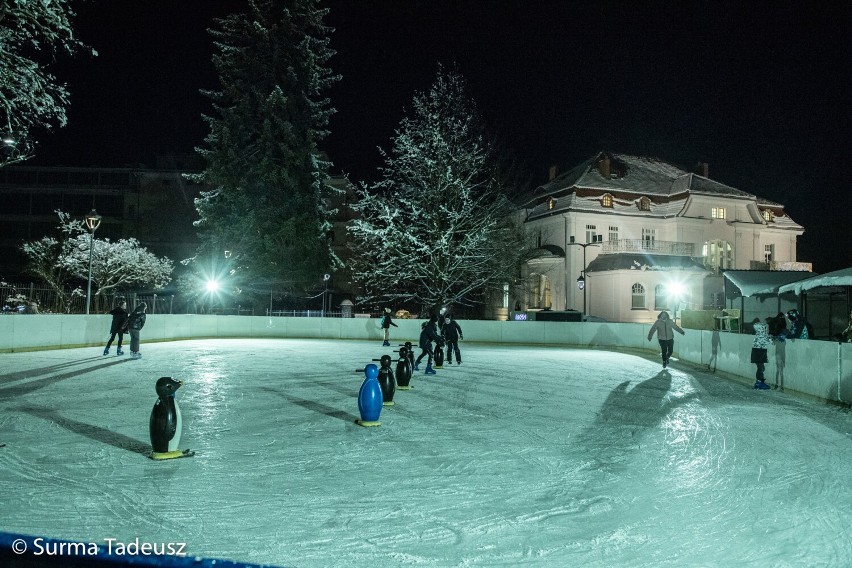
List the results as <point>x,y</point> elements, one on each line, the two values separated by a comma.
<point>717,213</point>
<point>551,203</point>
<point>638,297</point>
<point>768,253</point>
<point>606,200</point>
<point>767,215</point>
<point>591,233</point>
<point>644,204</point>
<point>613,233</point>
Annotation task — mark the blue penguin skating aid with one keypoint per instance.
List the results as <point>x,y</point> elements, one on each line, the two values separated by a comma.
<point>166,424</point>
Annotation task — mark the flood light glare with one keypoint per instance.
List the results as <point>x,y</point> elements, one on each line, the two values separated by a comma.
<point>676,289</point>
<point>212,286</point>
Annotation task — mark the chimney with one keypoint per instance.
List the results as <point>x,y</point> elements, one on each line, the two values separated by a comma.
<point>703,169</point>
<point>553,172</point>
<point>603,167</point>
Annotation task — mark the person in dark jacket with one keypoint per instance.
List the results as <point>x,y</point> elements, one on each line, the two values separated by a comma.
<point>119,318</point>
<point>800,327</point>
<point>452,335</point>
<point>135,323</point>
<point>387,321</point>
<point>428,334</point>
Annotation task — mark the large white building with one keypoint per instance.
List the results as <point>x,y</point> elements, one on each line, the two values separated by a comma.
<point>623,237</point>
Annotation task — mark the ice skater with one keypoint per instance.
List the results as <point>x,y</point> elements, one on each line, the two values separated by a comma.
<point>664,327</point>
<point>759,346</point>
<point>135,323</point>
<point>428,334</point>
<point>452,335</point>
<point>386,322</point>
<point>800,327</point>
<point>119,318</point>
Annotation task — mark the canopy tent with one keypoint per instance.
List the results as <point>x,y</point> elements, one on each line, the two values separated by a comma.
<point>742,284</point>
<point>824,288</point>
<point>747,283</point>
<point>838,278</point>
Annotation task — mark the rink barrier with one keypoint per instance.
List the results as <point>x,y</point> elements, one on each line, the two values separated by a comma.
<point>27,551</point>
<point>821,369</point>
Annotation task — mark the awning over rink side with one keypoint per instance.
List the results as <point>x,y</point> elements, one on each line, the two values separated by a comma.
<point>747,283</point>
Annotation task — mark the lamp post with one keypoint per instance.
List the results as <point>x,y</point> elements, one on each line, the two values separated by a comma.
<point>581,281</point>
<point>93,221</point>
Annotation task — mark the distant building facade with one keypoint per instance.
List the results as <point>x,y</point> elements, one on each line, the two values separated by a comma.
<point>153,205</point>
<point>622,237</point>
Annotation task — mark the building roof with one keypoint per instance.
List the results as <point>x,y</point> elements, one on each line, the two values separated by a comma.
<point>632,178</point>
<point>633,261</point>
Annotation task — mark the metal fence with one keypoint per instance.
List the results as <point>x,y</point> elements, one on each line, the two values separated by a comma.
<point>32,299</point>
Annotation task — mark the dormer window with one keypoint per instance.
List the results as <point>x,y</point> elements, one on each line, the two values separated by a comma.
<point>717,213</point>
<point>606,200</point>
<point>551,203</point>
<point>767,215</point>
<point>644,204</point>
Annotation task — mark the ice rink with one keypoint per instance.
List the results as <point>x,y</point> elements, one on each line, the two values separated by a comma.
<point>523,456</point>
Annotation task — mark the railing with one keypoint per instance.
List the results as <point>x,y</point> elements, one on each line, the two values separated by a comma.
<point>648,247</point>
<point>32,299</point>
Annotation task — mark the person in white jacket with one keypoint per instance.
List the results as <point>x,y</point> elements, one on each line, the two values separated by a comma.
<point>664,327</point>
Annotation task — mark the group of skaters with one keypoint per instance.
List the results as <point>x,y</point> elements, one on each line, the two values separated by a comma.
<point>442,330</point>
<point>776,329</point>
<point>124,322</point>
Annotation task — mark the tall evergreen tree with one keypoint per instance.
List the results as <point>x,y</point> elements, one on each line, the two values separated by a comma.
<point>267,203</point>
<point>31,33</point>
<point>437,229</point>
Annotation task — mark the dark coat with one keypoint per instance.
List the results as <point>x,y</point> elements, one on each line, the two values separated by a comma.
<point>387,321</point>
<point>119,318</point>
<point>452,331</point>
<point>428,335</point>
<point>136,320</point>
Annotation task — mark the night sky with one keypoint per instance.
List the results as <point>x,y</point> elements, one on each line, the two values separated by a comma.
<point>756,89</point>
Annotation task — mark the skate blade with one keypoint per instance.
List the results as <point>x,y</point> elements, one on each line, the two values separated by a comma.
<point>368,423</point>
<point>171,455</point>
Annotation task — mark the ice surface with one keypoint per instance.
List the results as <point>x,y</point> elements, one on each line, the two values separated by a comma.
<point>523,456</point>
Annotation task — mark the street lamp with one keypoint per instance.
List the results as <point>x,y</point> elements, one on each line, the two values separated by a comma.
<point>581,281</point>
<point>93,221</point>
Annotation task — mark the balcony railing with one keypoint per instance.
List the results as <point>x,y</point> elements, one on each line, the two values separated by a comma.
<point>648,247</point>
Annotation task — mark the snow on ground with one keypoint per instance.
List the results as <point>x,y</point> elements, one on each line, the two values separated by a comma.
<point>523,456</point>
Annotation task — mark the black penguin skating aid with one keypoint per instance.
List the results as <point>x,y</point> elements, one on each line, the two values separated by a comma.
<point>166,424</point>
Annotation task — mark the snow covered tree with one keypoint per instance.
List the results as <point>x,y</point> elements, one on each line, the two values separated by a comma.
<point>437,229</point>
<point>60,261</point>
<point>116,265</point>
<point>45,258</point>
<point>31,33</point>
<point>267,202</point>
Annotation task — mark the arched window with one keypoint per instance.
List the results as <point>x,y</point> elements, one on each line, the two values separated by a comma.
<point>644,204</point>
<point>661,300</point>
<point>606,200</point>
<point>637,297</point>
<point>767,215</point>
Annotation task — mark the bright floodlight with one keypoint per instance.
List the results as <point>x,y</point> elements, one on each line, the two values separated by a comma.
<point>676,289</point>
<point>212,286</point>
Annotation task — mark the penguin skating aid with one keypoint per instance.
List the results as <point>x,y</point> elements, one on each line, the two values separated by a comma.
<point>166,423</point>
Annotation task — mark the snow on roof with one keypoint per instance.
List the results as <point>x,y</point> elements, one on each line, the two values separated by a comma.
<point>638,261</point>
<point>750,282</point>
<point>837,278</point>
<point>572,202</point>
<point>638,175</point>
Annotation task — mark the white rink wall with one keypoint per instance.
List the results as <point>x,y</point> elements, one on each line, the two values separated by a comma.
<point>818,368</point>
